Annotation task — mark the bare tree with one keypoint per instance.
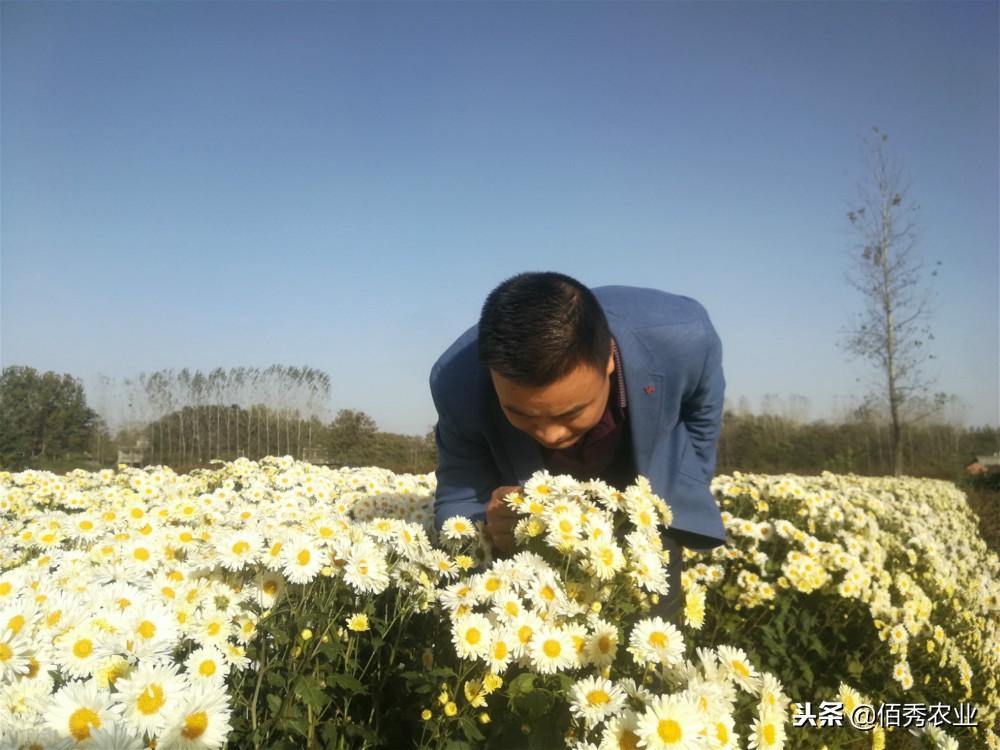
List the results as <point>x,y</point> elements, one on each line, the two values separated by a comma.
<point>891,331</point>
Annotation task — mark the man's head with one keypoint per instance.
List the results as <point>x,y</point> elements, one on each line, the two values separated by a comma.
<point>546,342</point>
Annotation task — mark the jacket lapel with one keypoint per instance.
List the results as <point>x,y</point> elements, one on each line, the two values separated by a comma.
<point>644,392</point>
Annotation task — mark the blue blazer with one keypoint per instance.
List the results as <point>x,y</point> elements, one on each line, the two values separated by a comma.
<point>672,362</point>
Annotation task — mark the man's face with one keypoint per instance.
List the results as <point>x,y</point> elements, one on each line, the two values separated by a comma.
<point>557,415</point>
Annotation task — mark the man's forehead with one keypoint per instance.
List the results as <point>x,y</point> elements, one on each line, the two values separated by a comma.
<point>573,392</point>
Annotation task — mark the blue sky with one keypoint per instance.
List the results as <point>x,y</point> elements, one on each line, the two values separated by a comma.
<point>340,184</point>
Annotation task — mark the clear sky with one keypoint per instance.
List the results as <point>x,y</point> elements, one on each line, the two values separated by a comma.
<point>340,185</point>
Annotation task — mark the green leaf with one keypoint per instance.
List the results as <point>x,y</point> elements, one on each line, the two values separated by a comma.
<point>346,682</point>
<point>522,685</point>
<point>470,730</point>
<point>309,690</point>
<point>273,702</point>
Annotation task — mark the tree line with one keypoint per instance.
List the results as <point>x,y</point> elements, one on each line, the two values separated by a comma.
<point>188,418</point>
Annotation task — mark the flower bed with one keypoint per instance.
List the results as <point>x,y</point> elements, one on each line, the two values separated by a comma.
<point>277,604</point>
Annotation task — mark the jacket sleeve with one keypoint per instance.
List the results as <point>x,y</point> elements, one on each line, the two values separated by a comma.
<point>466,473</point>
<point>701,412</point>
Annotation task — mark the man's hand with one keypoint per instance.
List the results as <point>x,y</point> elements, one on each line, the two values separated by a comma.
<point>500,520</point>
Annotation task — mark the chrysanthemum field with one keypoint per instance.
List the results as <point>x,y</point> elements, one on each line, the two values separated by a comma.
<point>277,604</point>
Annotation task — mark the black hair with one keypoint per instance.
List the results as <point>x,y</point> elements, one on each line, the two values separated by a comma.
<point>537,327</point>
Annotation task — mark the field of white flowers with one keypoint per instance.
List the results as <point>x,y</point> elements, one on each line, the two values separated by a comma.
<point>277,604</point>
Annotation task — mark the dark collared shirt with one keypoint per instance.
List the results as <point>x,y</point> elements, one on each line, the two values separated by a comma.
<point>605,451</point>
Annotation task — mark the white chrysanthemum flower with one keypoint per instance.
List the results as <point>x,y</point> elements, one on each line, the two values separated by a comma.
<point>502,649</point>
<point>490,585</point>
<point>720,732</point>
<point>443,565</point>
<point>148,695</point>
<point>239,549</point>
<point>552,650</point>
<point>366,570</point>
<point>77,708</point>
<point>602,645</point>
<point>620,733</point>
<point>471,635</point>
<point>458,528</point>
<point>655,641</point>
<point>116,736</point>
<point>540,486</point>
<point>594,699</point>
<point>141,555</point>
<point>236,655</point>
<point>647,570</point>
<point>150,632</point>
<point>302,559</point>
<point>767,732</point>
<point>671,722</point>
<point>270,587</point>
<point>15,653</point>
<point>507,607</point>
<point>525,627</point>
<point>606,559</point>
<point>206,664</point>
<point>737,667</point>
<point>201,721</point>
<point>77,652</point>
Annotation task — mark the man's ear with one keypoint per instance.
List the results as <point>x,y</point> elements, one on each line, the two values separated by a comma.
<point>611,359</point>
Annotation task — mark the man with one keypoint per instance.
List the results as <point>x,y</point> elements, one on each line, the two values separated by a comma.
<point>606,383</point>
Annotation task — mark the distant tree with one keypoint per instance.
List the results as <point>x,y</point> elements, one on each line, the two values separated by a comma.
<point>891,331</point>
<point>42,416</point>
<point>352,438</point>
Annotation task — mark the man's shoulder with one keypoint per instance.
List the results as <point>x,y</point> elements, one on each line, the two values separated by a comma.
<point>457,372</point>
<point>644,307</point>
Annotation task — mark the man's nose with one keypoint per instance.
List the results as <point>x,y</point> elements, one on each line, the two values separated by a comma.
<point>551,434</point>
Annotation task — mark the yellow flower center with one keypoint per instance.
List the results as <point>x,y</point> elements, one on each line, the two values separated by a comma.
<point>270,587</point>
<point>86,525</point>
<point>141,554</point>
<point>80,722</point>
<point>472,635</point>
<point>740,668</point>
<point>240,547</point>
<point>669,731</point>
<point>150,700</point>
<point>658,639</point>
<point>6,652</point>
<point>604,644</point>
<point>500,650</point>
<point>195,725</point>
<point>628,741</point>
<point>82,648</point>
<point>214,628</point>
<point>722,733</point>
<point>304,557</point>
<point>597,697</point>
<point>492,584</point>
<point>524,633</point>
<point>769,734</point>
<point>15,623</point>
<point>147,629</point>
<point>206,668</point>
<point>552,648</point>
<point>5,588</point>
<point>548,594</point>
